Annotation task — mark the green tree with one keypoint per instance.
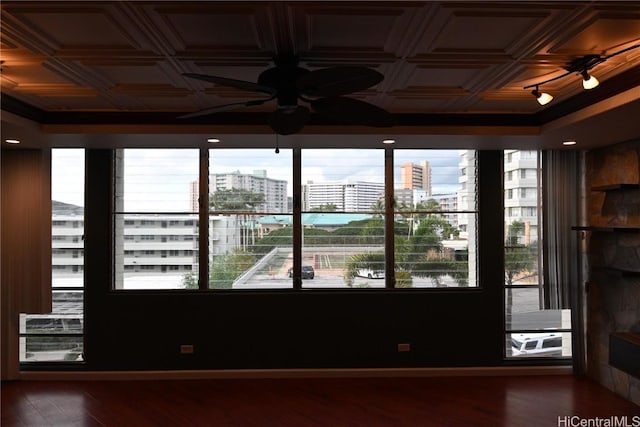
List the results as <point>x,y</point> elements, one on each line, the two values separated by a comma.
<point>225,269</point>
<point>362,261</point>
<point>327,207</point>
<point>280,237</point>
<point>239,200</point>
<point>190,281</point>
<point>235,199</point>
<point>423,254</point>
<point>519,260</point>
<point>378,207</point>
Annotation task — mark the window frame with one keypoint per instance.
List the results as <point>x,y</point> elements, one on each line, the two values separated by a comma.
<point>297,213</point>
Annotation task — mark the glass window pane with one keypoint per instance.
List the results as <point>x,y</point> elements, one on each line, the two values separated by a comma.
<point>547,344</point>
<point>342,250</point>
<point>51,348</point>
<point>524,303</point>
<point>250,180</point>
<point>156,228</point>
<point>41,338</point>
<point>249,252</point>
<point>343,218</point>
<point>435,218</point>
<point>524,312</point>
<point>155,180</point>
<point>156,251</point>
<point>250,221</point>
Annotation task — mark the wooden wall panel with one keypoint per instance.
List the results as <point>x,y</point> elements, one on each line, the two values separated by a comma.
<point>26,244</point>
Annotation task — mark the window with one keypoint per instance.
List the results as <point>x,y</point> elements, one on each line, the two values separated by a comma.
<point>248,193</point>
<point>58,337</point>
<point>435,218</point>
<point>343,215</point>
<point>154,189</point>
<point>525,316</point>
<point>233,211</point>
<point>552,342</point>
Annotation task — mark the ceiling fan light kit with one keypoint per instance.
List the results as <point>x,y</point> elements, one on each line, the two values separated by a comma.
<point>323,90</point>
<point>580,66</point>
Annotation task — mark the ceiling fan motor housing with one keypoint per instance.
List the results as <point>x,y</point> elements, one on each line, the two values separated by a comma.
<point>283,78</point>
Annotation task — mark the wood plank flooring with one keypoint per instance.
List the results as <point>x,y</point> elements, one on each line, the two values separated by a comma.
<point>529,401</point>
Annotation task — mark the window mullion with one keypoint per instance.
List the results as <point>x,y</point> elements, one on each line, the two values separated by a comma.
<point>389,255</point>
<point>203,215</point>
<point>297,218</point>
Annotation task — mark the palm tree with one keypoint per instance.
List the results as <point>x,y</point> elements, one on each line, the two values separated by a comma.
<point>242,201</point>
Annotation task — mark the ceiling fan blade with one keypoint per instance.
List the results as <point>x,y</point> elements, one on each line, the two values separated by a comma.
<point>336,81</point>
<point>224,107</point>
<point>287,120</point>
<point>353,111</point>
<point>238,84</point>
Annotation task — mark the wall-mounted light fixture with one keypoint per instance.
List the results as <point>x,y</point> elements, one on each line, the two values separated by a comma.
<point>579,66</point>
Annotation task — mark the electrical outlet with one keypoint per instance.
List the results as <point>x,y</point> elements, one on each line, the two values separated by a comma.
<point>186,349</point>
<point>404,347</point>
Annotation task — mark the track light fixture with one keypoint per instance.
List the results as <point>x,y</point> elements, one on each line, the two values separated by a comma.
<point>579,66</point>
<point>542,97</point>
<point>588,81</point>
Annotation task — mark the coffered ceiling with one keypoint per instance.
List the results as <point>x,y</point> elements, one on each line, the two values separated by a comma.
<point>450,68</point>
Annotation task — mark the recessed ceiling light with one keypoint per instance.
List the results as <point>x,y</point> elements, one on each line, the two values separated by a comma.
<point>388,141</point>
<point>12,141</point>
<point>213,140</point>
<point>569,143</point>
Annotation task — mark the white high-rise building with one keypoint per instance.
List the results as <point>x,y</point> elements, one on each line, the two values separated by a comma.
<point>349,196</point>
<point>410,197</point>
<point>150,244</point>
<point>467,196</point>
<point>521,192</point>
<point>273,190</point>
<point>467,192</point>
<point>448,205</point>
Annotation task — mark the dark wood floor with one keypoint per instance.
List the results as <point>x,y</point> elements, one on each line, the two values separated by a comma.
<point>534,401</point>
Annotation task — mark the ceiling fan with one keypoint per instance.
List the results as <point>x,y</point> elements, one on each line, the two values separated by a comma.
<point>322,89</point>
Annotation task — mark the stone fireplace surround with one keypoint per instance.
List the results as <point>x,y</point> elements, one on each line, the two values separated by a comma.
<point>613,254</point>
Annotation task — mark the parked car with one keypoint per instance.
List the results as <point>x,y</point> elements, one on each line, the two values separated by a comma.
<point>546,344</point>
<point>307,272</point>
<point>370,274</point>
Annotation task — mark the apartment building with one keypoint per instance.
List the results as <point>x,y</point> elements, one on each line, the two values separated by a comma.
<point>273,190</point>
<point>149,245</point>
<point>416,176</point>
<point>350,196</point>
<point>521,192</point>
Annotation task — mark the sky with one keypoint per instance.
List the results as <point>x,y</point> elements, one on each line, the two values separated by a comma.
<point>159,179</point>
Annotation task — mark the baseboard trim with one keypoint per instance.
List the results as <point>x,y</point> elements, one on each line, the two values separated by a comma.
<point>295,373</point>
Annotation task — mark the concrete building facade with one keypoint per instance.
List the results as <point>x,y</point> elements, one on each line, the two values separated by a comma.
<point>349,196</point>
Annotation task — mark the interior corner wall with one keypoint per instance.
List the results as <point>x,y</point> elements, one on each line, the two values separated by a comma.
<point>613,297</point>
<point>26,245</point>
